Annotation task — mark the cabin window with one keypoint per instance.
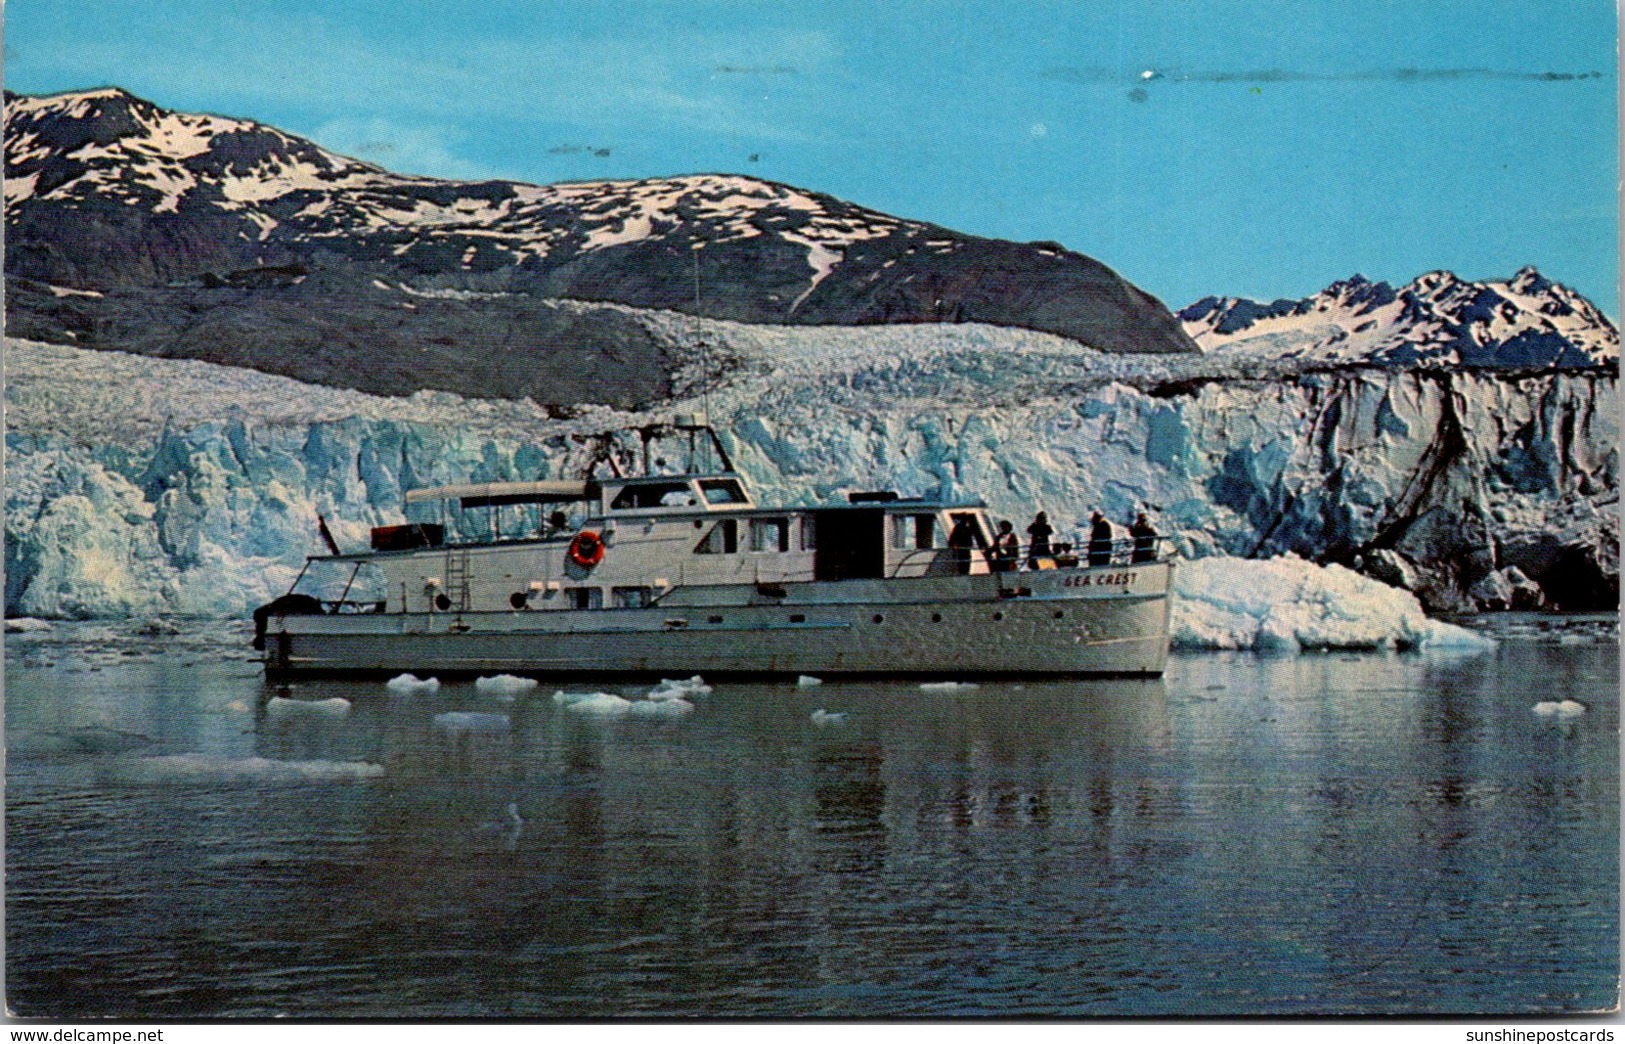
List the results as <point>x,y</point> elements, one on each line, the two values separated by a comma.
<point>770,534</point>
<point>913,532</point>
<point>809,533</point>
<point>723,539</point>
<point>585,597</point>
<point>722,491</point>
<point>632,597</point>
<point>653,494</point>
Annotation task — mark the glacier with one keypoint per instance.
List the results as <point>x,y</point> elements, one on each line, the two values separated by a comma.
<point>142,487</point>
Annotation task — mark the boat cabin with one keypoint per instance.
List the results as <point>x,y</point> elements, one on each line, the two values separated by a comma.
<point>630,542</point>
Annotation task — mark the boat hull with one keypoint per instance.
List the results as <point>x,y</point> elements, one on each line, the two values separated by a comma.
<point>1101,621</point>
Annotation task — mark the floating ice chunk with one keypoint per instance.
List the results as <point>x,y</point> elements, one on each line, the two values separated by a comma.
<point>281,707</point>
<point>1559,708</point>
<point>1287,604</point>
<point>602,704</point>
<point>946,686</point>
<point>25,624</point>
<point>404,683</point>
<point>807,681</point>
<point>505,685</point>
<point>567,699</point>
<point>824,717</point>
<point>673,690</point>
<point>609,705</point>
<point>471,721</point>
<point>218,768</point>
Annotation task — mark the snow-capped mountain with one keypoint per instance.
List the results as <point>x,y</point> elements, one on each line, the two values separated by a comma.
<point>231,225</point>
<point>1437,320</point>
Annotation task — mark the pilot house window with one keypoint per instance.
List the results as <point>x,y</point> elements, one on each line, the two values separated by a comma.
<point>650,495</point>
<point>914,532</point>
<point>585,597</point>
<point>723,539</point>
<point>722,491</point>
<point>770,534</point>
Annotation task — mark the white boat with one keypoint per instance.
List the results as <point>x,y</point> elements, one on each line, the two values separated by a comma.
<point>681,574</point>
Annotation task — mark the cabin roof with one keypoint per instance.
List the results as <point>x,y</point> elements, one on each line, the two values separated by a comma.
<point>477,494</point>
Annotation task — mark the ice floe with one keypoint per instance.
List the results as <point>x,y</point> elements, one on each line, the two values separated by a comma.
<point>824,717</point>
<point>679,689</point>
<point>608,705</point>
<point>807,681</point>
<point>409,683</point>
<point>947,686</point>
<point>505,685</point>
<point>1286,604</point>
<point>1559,708</point>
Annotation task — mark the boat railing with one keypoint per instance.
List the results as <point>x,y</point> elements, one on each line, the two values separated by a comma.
<point>1065,555</point>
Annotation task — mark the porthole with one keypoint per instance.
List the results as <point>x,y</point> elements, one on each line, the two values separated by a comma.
<point>877,618</point>
<point>998,616</point>
<point>797,618</point>
<point>518,599</point>
<point>1057,614</point>
<point>713,619</point>
<point>936,617</point>
<point>442,602</point>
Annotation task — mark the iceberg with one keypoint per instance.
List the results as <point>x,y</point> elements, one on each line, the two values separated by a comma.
<point>1286,604</point>
<point>505,685</point>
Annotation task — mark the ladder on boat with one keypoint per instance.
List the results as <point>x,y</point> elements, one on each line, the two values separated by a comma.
<point>457,578</point>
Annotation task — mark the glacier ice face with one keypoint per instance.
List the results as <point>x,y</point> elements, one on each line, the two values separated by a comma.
<point>141,486</point>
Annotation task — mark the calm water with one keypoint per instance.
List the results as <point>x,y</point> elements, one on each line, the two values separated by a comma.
<point>1374,833</point>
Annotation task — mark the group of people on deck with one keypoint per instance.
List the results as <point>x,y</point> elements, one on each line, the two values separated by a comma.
<point>1005,553</point>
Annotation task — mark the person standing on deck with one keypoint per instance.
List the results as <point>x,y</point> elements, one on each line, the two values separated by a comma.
<point>1145,539</point>
<point>1100,540</point>
<point>1038,535</point>
<point>1006,548</point>
<point>960,541</point>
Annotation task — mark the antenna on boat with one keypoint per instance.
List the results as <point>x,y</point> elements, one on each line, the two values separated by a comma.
<point>699,336</point>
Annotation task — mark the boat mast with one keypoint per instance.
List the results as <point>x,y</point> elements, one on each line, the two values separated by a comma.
<point>705,353</point>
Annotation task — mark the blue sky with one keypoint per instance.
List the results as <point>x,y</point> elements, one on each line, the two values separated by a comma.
<point>1280,145</point>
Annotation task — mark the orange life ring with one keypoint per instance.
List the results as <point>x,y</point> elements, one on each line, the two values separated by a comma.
<point>587,549</point>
